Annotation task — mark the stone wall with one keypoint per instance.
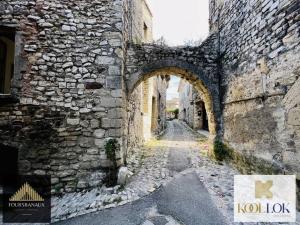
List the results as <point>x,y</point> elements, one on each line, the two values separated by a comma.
<point>161,96</point>
<point>191,106</point>
<point>135,128</point>
<point>138,128</point>
<point>259,45</point>
<point>186,107</point>
<point>198,65</point>
<point>68,94</point>
<point>146,112</point>
<point>140,22</point>
<point>147,101</point>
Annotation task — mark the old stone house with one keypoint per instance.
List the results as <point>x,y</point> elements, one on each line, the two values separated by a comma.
<point>66,96</point>
<point>76,64</point>
<point>191,106</point>
<point>147,103</point>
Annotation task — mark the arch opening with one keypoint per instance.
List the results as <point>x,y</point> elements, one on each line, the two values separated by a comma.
<point>206,93</point>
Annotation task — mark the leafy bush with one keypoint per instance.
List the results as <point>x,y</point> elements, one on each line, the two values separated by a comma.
<point>175,111</point>
<point>111,147</point>
<point>221,151</point>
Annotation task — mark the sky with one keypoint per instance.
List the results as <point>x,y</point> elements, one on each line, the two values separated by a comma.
<point>179,21</point>
<point>173,87</point>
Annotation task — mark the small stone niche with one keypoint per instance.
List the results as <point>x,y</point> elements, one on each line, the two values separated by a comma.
<point>8,162</point>
<point>93,85</point>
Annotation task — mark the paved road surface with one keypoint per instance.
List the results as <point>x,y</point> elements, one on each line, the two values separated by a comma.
<point>184,200</point>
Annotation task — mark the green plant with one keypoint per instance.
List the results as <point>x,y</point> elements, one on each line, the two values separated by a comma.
<point>221,151</point>
<point>175,111</point>
<point>111,147</point>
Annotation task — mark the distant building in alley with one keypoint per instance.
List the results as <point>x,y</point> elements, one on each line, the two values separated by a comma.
<point>191,106</point>
<point>172,107</point>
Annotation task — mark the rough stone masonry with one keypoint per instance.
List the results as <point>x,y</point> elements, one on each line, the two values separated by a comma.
<point>75,65</point>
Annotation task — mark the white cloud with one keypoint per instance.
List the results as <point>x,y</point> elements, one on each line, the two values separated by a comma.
<point>173,88</point>
<point>180,20</point>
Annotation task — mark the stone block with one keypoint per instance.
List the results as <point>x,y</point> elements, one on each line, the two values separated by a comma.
<point>123,175</point>
<point>114,132</point>
<point>65,173</point>
<point>114,71</point>
<point>82,184</point>
<point>108,102</point>
<point>114,82</point>
<point>66,65</point>
<point>115,113</point>
<point>93,151</point>
<point>66,28</point>
<point>85,142</point>
<point>100,143</point>
<point>111,123</point>
<point>116,93</point>
<point>73,122</point>
<point>95,122</point>
<point>89,158</point>
<point>105,60</point>
<point>99,133</point>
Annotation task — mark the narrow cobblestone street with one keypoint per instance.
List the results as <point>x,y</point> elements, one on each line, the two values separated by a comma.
<point>186,181</point>
<point>176,183</point>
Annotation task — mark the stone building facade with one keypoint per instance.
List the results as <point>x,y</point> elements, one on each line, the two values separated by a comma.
<point>78,63</point>
<point>147,102</point>
<point>67,94</point>
<point>140,22</point>
<point>191,106</point>
<point>259,45</point>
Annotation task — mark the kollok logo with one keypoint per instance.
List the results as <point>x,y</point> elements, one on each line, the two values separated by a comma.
<point>263,189</point>
<point>260,198</point>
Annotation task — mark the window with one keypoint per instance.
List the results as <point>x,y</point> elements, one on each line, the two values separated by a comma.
<point>7,56</point>
<point>145,32</point>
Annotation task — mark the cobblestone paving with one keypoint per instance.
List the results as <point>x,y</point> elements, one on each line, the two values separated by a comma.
<point>153,166</point>
<point>152,169</point>
<point>150,174</point>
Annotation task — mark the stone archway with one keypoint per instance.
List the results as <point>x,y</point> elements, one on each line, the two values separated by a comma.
<point>206,86</point>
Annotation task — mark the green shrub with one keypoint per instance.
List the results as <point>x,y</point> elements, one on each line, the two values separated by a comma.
<point>111,147</point>
<point>221,151</point>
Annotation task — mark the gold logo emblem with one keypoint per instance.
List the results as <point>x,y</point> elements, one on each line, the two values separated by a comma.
<point>263,189</point>
<point>26,194</point>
